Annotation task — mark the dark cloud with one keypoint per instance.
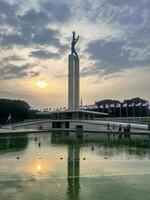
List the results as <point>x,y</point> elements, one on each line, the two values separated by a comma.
<point>59,11</point>
<point>42,54</point>
<point>15,39</point>
<point>13,58</point>
<point>100,69</point>
<point>34,74</point>
<point>8,14</point>
<point>47,36</point>
<point>134,4</point>
<point>31,28</point>
<point>9,71</point>
<point>34,18</point>
<point>110,51</point>
<point>90,71</point>
<point>5,8</point>
<point>44,37</point>
<point>33,37</point>
<point>34,28</point>
<point>112,57</point>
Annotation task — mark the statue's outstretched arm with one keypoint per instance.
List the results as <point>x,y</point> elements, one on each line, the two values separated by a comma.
<point>77,39</point>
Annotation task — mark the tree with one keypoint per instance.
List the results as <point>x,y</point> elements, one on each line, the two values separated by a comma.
<point>19,110</point>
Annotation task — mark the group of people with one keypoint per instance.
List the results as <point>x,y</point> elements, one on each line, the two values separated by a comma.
<point>113,126</point>
<point>126,131</point>
<point>123,130</point>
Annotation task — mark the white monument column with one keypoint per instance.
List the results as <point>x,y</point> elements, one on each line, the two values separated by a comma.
<point>73,82</point>
<point>73,76</point>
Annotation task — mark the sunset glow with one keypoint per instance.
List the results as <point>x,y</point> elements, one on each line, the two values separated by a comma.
<point>42,84</point>
<point>114,56</point>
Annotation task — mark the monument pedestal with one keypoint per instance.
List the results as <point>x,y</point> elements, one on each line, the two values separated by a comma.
<point>73,82</point>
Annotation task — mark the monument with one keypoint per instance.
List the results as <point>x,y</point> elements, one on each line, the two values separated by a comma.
<point>73,76</point>
<point>73,118</point>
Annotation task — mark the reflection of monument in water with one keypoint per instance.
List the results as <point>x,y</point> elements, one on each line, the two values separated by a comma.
<point>73,171</point>
<point>107,148</point>
<point>73,163</point>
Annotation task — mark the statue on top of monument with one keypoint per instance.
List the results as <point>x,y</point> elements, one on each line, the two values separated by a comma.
<point>73,43</point>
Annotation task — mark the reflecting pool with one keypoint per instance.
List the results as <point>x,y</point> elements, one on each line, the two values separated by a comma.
<point>60,165</point>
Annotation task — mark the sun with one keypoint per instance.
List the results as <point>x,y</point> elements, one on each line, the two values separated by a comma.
<point>38,168</point>
<point>42,84</point>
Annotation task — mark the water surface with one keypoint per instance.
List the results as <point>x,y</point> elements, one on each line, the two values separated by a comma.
<point>62,166</point>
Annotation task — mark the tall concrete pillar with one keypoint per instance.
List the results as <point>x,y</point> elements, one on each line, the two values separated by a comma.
<point>73,82</point>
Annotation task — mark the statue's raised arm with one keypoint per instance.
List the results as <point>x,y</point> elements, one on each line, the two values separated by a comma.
<point>77,39</point>
<point>73,43</point>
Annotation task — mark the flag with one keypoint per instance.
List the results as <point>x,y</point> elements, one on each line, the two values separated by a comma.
<point>64,108</point>
<point>112,105</point>
<point>9,118</point>
<point>81,107</point>
<point>101,106</point>
<point>95,106</point>
<point>90,107</point>
<point>125,105</point>
<point>85,107</point>
<point>145,104</point>
<point>106,105</point>
<point>138,104</point>
<point>118,105</point>
<point>131,105</point>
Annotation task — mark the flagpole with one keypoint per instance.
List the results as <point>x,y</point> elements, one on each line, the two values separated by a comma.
<point>127,111</point>
<point>141,110</point>
<point>133,110</point>
<point>10,120</point>
<point>120,110</point>
<point>114,111</point>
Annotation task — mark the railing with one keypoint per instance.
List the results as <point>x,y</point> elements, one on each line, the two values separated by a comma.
<point>24,122</point>
<point>140,120</point>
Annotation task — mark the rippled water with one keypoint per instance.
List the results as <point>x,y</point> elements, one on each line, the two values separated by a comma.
<point>63,166</point>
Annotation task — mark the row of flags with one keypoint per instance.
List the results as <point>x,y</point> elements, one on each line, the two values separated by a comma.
<point>117,105</point>
<point>95,106</point>
<point>53,109</point>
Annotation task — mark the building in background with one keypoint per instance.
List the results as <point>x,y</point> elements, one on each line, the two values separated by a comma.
<point>135,107</point>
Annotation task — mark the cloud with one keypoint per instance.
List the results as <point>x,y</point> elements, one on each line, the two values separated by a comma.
<point>12,58</point>
<point>34,74</point>
<point>10,71</point>
<point>109,51</point>
<point>35,38</point>
<point>43,54</point>
<point>112,57</point>
<point>15,39</point>
<point>35,18</point>
<point>46,36</point>
<point>13,94</point>
<point>114,37</point>
<point>8,14</point>
<point>59,11</point>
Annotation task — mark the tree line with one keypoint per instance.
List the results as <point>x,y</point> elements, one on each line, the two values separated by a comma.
<point>19,110</point>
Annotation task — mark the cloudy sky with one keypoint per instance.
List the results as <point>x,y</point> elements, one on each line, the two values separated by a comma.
<point>114,49</point>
